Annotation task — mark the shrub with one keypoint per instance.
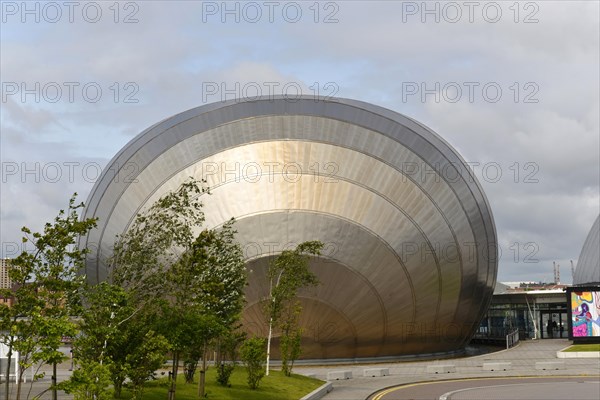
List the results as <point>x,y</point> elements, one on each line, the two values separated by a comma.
<point>253,355</point>
<point>224,371</point>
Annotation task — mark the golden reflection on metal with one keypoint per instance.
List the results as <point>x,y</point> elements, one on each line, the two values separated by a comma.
<point>408,265</point>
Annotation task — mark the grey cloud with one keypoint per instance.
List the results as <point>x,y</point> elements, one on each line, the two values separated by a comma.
<point>369,54</point>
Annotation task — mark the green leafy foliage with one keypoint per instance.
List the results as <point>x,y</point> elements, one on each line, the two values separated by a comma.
<point>228,353</point>
<point>193,279</point>
<point>91,381</point>
<point>147,358</point>
<point>287,274</point>
<point>253,355</point>
<point>156,240</point>
<point>46,282</point>
<point>224,372</point>
<point>118,334</point>
<point>291,337</point>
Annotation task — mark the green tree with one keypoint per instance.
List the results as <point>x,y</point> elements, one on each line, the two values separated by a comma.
<point>287,274</point>
<point>119,335</point>
<point>196,280</point>
<point>253,355</point>
<point>146,359</point>
<point>46,283</point>
<point>227,354</point>
<point>189,330</point>
<point>91,381</point>
<point>105,305</point>
<point>156,240</point>
<point>210,278</point>
<point>291,336</point>
<point>143,257</point>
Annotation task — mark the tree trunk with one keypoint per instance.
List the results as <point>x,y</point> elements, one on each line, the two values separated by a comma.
<point>7,386</point>
<point>291,366</point>
<point>202,378</point>
<point>117,387</point>
<point>54,389</point>
<point>174,376</point>
<point>269,345</point>
<point>189,370</point>
<point>218,354</point>
<point>19,380</point>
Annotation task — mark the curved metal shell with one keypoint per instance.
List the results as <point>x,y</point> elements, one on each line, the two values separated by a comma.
<point>410,260</point>
<point>588,264</point>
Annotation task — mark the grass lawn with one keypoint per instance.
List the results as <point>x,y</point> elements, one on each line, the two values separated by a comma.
<point>584,347</point>
<point>276,386</point>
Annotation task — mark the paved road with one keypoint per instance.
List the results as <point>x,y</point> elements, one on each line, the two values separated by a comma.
<point>522,358</point>
<point>532,388</point>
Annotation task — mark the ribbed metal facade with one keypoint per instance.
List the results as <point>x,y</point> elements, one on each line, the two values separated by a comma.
<point>588,264</point>
<point>410,256</point>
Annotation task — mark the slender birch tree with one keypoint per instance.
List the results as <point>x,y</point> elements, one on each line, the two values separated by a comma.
<point>288,272</point>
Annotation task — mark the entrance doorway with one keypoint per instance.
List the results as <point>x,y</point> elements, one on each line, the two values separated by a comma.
<point>553,324</point>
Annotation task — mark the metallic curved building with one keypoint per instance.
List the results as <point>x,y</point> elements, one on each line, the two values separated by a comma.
<point>588,263</point>
<point>410,256</point>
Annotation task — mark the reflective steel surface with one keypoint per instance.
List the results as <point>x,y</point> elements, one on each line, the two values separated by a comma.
<point>588,263</point>
<point>410,256</point>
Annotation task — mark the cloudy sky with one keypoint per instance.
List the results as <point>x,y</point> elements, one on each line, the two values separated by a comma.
<point>513,86</point>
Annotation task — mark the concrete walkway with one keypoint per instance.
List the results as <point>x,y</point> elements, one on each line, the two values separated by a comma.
<point>523,359</point>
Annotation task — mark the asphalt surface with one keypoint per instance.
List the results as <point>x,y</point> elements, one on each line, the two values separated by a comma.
<point>523,359</point>
<point>531,388</point>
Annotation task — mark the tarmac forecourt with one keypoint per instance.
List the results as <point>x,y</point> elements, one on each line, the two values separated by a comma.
<point>531,359</point>
<point>499,388</point>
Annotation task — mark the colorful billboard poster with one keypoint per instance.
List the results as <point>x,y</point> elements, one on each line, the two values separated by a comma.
<point>584,313</point>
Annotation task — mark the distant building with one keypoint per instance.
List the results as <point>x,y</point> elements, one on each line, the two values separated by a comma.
<point>536,311</point>
<point>5,282</point>
<point>517,284</point>
<point>530,286</point>
<point>4,278</point>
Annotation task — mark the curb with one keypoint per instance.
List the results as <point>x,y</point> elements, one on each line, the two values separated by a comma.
<point>319,392</point>
<point>578,354</point>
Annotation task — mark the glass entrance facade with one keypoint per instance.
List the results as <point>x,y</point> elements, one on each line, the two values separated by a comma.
<point>540,314</point>
<point>554,324</point>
